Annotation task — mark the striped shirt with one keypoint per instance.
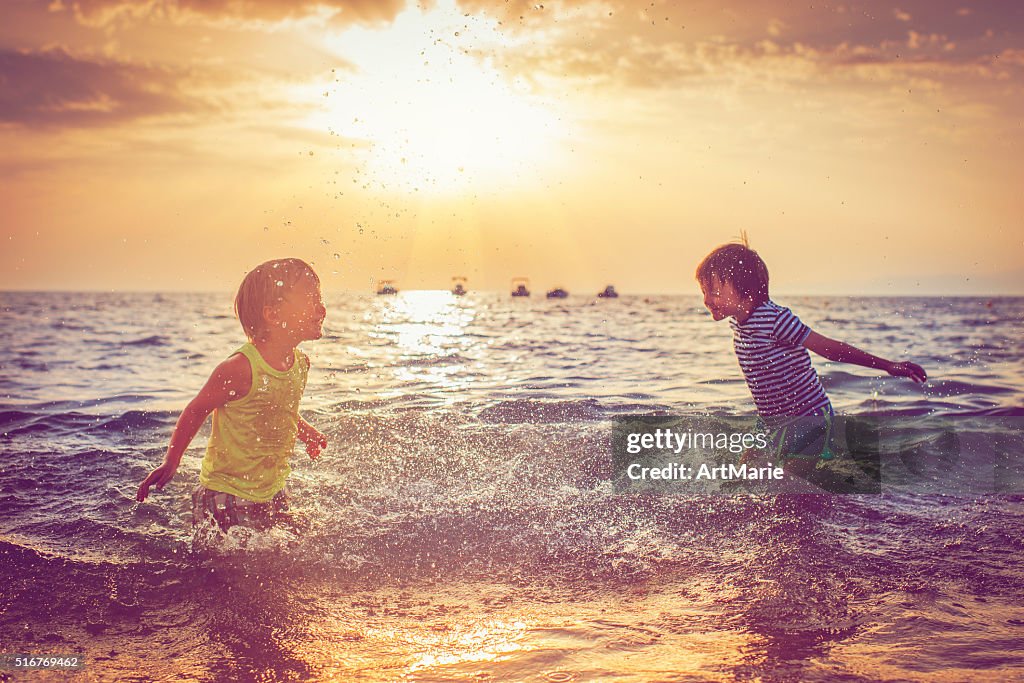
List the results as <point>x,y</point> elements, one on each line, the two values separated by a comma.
<point>776,366</point>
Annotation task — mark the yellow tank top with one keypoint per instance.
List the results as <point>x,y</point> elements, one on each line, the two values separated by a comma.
<point>253,436</point>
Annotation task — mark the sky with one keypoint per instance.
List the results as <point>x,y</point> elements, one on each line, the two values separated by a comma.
<point>864,148</point>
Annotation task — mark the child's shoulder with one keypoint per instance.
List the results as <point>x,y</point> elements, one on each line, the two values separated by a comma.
<point>238,358</point>
<point>784,326</point>
<point>236,367</point>
<point>764,314</point>
<point>770,311</point>
<point>230,380</point>
<point>771,321</point>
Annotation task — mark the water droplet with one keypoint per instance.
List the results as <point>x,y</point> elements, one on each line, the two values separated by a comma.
<point>280,283</point>
<point>337,256</point>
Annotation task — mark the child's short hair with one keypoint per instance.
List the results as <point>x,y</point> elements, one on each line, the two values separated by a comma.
<point>738,265</point>
<point>266,285</point>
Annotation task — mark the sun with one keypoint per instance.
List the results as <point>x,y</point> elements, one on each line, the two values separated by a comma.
<point>435,114</point>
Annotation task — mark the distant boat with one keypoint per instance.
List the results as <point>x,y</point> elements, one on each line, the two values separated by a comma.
<point>387,287</point>
<point>520,286</point>
<point>557,293</point>
<point>459,288</point>
<point>608,293</point>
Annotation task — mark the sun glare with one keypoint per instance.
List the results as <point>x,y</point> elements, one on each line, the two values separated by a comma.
<point>436,114</point>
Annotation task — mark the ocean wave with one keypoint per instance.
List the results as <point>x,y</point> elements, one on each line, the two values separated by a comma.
<point>952,387</point>
<point>152,340</point>
<point>431,360</point>
<point>33,365</point>
<point>22,422</point>
<point>57,422</point>
<point>136,420</point>
<point>15,417</point>
<point>533,411</point>
<point>48,407</point>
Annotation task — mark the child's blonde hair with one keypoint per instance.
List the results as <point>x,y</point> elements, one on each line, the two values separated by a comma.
<point>266,285</point>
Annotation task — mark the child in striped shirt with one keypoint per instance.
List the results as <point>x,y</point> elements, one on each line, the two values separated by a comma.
<point>772,345</point>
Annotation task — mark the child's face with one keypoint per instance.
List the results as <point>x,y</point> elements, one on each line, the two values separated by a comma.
<point>301,314</point>
<point>721,298</point>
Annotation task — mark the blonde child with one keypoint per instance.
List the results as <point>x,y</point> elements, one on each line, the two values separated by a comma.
<point>254,397</point>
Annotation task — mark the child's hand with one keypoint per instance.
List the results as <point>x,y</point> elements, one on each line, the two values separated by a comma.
<point>158,477</point>
<point>315,442</point>
<point>908,369</point>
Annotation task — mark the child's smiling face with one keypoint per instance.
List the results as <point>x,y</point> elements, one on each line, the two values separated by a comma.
<point>721,298</point>
<point>301,313</point>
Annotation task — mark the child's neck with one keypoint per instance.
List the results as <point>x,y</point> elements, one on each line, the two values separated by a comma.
<point>744,311</point>
<point>278,351</point>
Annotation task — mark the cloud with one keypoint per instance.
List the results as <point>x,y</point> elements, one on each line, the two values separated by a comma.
<point>52,87</point>
<point>669,44</point>
<point>1015,57</point>
<point>103,12</point>
<point>774,46</point>
<point>767,64</point>
<point>576,44</point>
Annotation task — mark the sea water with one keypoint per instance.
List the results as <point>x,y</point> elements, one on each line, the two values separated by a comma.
<point>462,522</point>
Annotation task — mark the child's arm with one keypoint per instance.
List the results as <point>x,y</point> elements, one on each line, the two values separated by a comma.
<point>844,353</point>
<point>308,434</point>
<point>230,380</point>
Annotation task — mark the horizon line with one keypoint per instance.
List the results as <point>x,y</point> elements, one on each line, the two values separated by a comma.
<point>539,294</point>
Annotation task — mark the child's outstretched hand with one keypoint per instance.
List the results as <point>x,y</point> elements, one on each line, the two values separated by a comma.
<point>908,369</point>
<point>158,478</point>
<point>315,442</point>
<point>313,438</point>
